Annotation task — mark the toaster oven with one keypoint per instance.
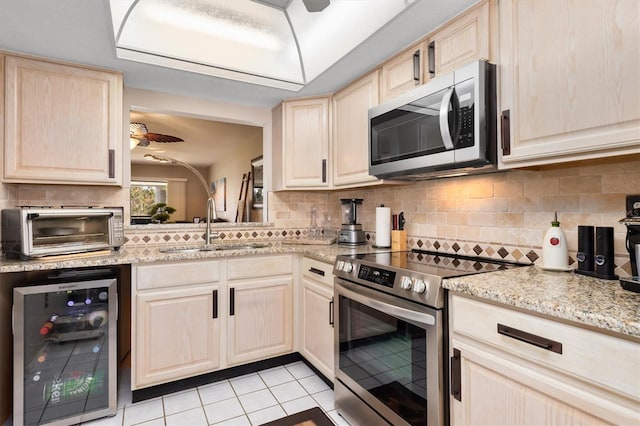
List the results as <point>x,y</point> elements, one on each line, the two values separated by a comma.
<point>33,232</point>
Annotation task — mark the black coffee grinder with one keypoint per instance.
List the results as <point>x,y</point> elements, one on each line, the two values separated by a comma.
<point>632,221</point>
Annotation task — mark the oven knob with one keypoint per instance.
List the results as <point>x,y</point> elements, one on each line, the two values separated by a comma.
<point>348,267</point>
<point>419,286</point>
<point>406,283</point>
<point>340,265</point>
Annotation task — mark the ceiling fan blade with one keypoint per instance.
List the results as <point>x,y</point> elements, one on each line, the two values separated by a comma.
<point>157,137</point>
<point>315,5</point>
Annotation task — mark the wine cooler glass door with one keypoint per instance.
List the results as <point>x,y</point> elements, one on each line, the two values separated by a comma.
<point>65,352</point>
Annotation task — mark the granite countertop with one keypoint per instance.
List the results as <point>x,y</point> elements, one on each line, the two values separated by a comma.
<point>593,302</point>
<point>324,253</point>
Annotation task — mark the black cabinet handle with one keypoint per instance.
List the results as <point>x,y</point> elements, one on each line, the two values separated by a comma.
<point>317,271</point>
<point>324,171</point>
<point>532,339</point>
<point>215,304</point>
<point>112,163</point>
<point>505,125</point>
<point>232,301</point>
<point>331,312</point>
<point>431,56</point>
<point>456,375</point>
<point>416,67</point>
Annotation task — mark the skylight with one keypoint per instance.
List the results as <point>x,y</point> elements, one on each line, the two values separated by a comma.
<point>246,40</point>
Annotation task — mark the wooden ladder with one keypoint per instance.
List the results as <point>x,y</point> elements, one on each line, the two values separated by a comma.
<point>242,198</point>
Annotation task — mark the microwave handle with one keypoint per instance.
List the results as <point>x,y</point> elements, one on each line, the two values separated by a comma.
<point>449,97</point>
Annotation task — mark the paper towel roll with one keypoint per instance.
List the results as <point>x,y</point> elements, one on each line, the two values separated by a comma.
<point>383,227</point>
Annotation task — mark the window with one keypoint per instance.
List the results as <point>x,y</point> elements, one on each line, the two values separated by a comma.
<point>145,194</point>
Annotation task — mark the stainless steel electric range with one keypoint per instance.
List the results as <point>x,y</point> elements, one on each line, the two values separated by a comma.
<point>391,335</point>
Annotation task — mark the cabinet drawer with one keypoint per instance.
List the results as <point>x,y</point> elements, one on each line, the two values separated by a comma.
<point>318,271</point>
<point>175,274</point>
<point>255,267</point>
<point>592,356</point>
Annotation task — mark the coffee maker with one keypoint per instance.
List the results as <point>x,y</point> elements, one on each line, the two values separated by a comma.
<point>351,233</point>
<point>632,221</point>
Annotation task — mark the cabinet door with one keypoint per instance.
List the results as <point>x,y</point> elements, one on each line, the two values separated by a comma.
<point>402,73</point>
<point>498,389</point>
<point>177,334</point>
<point>260,319</point>
<point>569,79</point>
<point>306,143</point>
<point>464,40</point>
<point>317,326</point>
<point>351,131</point>
<point>63,124</point>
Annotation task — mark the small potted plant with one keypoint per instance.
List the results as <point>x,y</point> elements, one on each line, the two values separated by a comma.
<point>160,212</point>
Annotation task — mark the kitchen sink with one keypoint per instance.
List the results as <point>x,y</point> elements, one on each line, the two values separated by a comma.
<point>214,247</point>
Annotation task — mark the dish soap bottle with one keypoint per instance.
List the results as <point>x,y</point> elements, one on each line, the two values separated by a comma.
<point>555,255</point>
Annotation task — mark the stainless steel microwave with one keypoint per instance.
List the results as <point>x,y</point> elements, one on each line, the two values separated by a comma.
<point>446,127</point>
<point>33,232</point>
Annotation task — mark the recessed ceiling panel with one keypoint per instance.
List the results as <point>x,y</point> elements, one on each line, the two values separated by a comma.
<point>242,36</point>
<point>327,36</point>
<point>249,41</point>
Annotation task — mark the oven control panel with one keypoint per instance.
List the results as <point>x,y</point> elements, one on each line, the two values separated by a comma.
<point>377,275</point>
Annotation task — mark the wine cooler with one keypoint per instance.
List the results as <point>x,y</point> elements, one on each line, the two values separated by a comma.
<point>65,333</point>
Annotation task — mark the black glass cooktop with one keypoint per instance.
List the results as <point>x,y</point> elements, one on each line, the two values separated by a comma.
<point>435,263</point>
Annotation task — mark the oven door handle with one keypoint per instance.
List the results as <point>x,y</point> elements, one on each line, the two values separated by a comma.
<point>404,314</point>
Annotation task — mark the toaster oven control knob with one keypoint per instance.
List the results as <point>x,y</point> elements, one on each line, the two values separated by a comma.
<point>419,286</point>
<point>340,265</point>
<point>406,283</point>
<point>348,267</point>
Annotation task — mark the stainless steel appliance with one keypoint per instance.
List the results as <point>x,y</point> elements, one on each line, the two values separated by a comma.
<point>632,221</point>
<point>445,127</point>
<point>351,233</point>
<point>31,232</point>
<point>391,335</point>
<point>65,365</point>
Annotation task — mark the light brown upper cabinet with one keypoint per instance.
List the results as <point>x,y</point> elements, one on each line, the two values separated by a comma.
<point>62,123</point>
<point>402,72</point>
<point>301,144</point>
<point>460,41</point>
<point>569,84</point>
<point>351,132</point>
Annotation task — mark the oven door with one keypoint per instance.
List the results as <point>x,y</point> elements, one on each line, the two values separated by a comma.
<point>389,354</point>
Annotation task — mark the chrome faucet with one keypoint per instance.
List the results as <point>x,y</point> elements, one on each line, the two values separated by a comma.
<point>211,202</point>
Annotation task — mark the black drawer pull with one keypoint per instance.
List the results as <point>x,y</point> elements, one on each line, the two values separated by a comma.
<point>215,304</point>
<point>317,271</point>
<point>456,375</point>
<point>232,301</point>
<point>331,312</point>
<point>532,339</point>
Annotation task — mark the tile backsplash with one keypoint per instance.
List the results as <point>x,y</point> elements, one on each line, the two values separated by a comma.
<point>499,215</point>
<point>502,214</point>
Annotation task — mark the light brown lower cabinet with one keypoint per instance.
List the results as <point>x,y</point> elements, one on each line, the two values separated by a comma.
<point>513,374</point>
<point>260,319</point>
<point>316,310</point>
<point>178,332</point>
<point>195,317</point>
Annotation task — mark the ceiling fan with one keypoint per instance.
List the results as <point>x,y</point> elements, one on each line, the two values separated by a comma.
<point>315,5</point>
<point>140,136</point>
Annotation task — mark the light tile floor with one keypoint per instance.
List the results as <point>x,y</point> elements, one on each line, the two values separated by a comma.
<point>252,399</point>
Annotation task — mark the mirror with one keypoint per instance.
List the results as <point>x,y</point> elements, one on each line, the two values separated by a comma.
<point>225,154</point>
